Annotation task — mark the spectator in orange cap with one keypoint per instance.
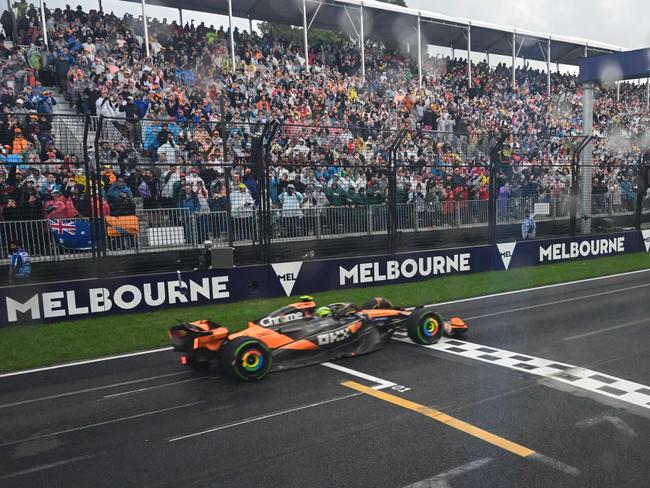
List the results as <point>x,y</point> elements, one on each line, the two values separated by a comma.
<point>20,144</point>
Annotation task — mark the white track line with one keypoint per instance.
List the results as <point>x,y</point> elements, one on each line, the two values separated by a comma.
<point>86,361</point>
<point>441,480</point>
<point>46,466</point>
<point>606,329</point>
<point>260,417</point>
<point>149,388</point>
<point>461,300</point>
<point>555,464</point>
<point>99,424</point>
<point>380,383</point>
<point>587,379</point>
<point>556,302</point>
<point>543,287</point>
<point>89,390</point>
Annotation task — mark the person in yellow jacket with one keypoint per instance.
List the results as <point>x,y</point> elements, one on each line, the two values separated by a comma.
<point>352,94</point>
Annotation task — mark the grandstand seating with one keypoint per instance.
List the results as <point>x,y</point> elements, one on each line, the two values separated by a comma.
<point>163,128</point>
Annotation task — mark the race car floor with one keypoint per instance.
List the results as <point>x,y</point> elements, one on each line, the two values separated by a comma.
<point>549,388</point>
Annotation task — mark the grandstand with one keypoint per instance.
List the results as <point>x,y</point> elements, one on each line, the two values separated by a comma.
<point>278,149</point>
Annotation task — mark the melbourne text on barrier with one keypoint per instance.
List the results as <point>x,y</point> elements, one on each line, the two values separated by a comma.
<point>572,250</point>
<point>408,268</point>
<point>66,303</point>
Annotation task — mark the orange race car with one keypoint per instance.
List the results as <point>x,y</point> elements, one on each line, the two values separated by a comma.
<point>302,333</point>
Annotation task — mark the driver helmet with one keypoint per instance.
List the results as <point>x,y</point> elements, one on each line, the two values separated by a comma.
<point>323,312</point>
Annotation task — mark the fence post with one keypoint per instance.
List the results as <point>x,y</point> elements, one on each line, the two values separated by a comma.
<point>392,188</point>
<point>319,214</point>
<point>415,217</point>
<point>494,189</point>
<point>229,221</point>
<point>98,186</point>
<point>194,229</point>
<point>573,194</point>
<point>260,151</point>
<point>641,189</point>
<point>90,193</point>
<point>264,211</point>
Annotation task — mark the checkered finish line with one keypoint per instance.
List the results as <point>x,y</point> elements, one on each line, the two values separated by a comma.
<point>587,379</point>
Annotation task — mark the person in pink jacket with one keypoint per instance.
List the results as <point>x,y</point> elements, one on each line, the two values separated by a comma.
<point>59,207</point>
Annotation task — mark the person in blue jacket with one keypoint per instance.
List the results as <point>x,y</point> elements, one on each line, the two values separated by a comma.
<point>528,227</point>
<point>114,193</point>
<point>20,267</point>
<point>188,199</point>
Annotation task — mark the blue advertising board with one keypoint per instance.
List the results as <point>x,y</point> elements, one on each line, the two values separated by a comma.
<point>67,300</point>
<point>617,66</point>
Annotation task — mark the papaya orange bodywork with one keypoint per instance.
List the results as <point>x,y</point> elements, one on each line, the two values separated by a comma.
<point>213,341</point>
<point>374,313</point>
<point>355,326</point>
<point>301,345</point>
<point>269,337</point>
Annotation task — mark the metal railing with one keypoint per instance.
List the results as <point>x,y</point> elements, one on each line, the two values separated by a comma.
<point>152,230</point>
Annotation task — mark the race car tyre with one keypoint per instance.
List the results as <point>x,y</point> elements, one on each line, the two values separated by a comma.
<point>377,302</point>
<point>246,359</point>
<point>425,327</point>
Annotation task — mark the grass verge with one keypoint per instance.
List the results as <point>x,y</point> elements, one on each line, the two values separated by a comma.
<point>30,346</point>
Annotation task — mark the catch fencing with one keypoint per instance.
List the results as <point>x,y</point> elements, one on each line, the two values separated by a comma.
<point>304,182</point>
<point>173,229</point>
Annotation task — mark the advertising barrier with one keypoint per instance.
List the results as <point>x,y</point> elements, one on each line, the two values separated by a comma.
<point>79,299</point>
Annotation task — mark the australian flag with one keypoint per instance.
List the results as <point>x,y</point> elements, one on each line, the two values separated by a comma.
<point>71,234</point>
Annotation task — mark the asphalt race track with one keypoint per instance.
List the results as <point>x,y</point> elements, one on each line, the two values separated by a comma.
<point>547,389</point>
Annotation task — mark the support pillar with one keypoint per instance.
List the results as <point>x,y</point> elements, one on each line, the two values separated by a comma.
<point>44,24</point>
<point>618,91</point>
<point>305,27</point>
<point>180,16</point>
<point>548,68</point>
<point>586,161</point>
<point>469,55</point>
<point>250,25</point>
<point>362,41</point>
<point>419,50</point>
<point>101,9</point>
<point>514,58</point>
<point>647,93</point>
<point>232,37</point>
<point>146,29</point>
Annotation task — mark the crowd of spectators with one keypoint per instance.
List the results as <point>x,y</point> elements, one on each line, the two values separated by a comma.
<point>177,119</point>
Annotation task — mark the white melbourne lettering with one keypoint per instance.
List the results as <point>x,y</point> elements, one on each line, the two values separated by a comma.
<point>52,303</point>
<point>583,249</point>
<point>15,307</point>
<point>423,267</point>
<point>125,297</point>
<point>121,302</point>
<point>72,304</point>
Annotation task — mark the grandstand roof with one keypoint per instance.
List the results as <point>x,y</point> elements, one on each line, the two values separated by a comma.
<point>391,21</point>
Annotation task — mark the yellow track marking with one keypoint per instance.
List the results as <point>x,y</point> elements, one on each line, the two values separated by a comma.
<point>444,418</point>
